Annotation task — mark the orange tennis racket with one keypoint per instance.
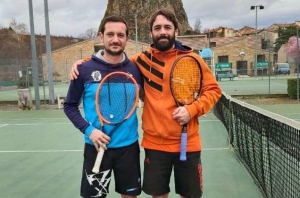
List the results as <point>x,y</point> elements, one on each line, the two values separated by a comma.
<point>116,99</point>
<point>186,85</point>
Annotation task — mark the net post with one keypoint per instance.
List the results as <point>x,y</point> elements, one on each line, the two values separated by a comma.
<point>230,124</point>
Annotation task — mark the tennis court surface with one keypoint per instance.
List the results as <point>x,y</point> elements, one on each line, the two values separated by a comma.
<point>41,156</point>
<point>41,151</point>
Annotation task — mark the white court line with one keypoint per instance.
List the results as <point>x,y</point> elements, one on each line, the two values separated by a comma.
<point>201,120</point>
<point>290,113</point>
<point>69,123</point>
<point>216,149</point>
<point>81,150</point>
<point>210,120</point>
<point>42,151</point>
<point>61,151</point>
<point>37,119</point>
<point>36,124</point>
<point>282,85</point>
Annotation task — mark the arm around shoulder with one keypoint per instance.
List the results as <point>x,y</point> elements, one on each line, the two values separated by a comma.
<point>74,69</point>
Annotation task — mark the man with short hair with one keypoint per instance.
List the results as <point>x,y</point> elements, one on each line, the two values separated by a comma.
<point>162,119</point>
<point>122,147</point>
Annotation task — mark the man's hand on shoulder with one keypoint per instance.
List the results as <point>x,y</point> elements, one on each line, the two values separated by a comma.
<point>74,69</point>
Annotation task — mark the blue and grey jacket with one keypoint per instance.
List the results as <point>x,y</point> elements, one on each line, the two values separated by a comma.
<point>84,88</point>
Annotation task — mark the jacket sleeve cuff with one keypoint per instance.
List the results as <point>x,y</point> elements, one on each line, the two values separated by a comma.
<point>89,130</point>
<point>192,109</point>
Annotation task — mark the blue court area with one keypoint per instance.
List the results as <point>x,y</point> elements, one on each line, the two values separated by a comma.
<point>41,156</point>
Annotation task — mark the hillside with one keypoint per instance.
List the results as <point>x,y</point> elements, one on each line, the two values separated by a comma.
<point>144,9</point>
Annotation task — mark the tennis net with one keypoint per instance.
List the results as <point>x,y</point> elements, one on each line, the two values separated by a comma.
<point>267,144</point>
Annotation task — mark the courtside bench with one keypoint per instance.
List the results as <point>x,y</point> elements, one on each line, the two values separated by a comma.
<point>219,76</point>
<point>60,101</point>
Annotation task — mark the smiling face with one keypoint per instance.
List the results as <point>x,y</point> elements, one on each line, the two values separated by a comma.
<point>163,33</point>
<point>114,38</point>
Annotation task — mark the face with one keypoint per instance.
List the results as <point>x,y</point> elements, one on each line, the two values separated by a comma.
<point>114,38</point>
<point>163,33</point>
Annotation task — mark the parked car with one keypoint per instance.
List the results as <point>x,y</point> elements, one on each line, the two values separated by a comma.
<point>282,68</point>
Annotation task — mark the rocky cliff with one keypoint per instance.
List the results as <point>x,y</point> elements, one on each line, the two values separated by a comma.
<point>142,10</point>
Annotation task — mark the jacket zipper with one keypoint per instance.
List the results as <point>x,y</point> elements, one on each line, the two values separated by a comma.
<point>161,104</point>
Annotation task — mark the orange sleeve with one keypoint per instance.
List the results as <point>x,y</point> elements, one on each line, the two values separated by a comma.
<point>86,59</point>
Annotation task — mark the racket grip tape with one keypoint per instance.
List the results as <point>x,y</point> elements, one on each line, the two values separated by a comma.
<point>183,147</point>
<point>96,168</point>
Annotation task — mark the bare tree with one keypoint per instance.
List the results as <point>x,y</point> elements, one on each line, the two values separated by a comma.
<point>19,28</point>
<point>19,32</point>
<point>88,34</point>
<point>197,26</point>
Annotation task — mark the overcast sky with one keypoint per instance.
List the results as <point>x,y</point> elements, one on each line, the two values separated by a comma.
<point>72,17</point>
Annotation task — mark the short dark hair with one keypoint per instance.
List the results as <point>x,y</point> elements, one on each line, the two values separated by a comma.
<point>113,18</point>
<point>169,14</point>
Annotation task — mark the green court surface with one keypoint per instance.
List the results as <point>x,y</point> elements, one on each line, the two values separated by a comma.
<point>256,85</point>
<point>41,156</point>
<point>291,111</point>
<point>41,151</point>
<point>240,86</point>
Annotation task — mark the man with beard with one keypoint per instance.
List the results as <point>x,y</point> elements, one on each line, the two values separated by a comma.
<point>162,120</point>
<point>121,143</point>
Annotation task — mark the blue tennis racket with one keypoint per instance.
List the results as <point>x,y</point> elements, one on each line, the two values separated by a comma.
<point>116,99</point>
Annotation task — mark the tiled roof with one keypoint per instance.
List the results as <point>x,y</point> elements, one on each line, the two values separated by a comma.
<point>196,42</point>
<point>275,26</point>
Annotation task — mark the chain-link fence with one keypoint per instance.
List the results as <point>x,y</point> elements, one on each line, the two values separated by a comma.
<point>18,73</point>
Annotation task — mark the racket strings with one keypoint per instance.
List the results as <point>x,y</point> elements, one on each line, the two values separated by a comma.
<point>109,97</point>
<point>117,98</point>
<point>125,93</point>
<point>186,80</point>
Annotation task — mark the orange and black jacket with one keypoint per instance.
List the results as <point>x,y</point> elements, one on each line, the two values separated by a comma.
<point>161,131</point>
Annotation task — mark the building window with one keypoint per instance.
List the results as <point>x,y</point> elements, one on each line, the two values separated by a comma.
<point>212,44</point>
<point>223,59</point>
<point>275,58</point>
<point>261,58</point>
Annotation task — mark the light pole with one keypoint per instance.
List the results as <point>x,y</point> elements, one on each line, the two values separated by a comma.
<point>49,54</point>
<point>35,71</point>
<point>255,62</point>
<point>136,31</point>
<point>297,64</point>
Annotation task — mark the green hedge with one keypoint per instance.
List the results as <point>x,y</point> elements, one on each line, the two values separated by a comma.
<point>292,87</point>
<point>22,82</point>
<point>8,83</point>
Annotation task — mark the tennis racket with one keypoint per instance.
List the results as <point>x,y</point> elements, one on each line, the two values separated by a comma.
<point>116,99</point>
<point>186,84</point>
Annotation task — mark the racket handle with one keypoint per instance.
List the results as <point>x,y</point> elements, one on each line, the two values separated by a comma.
<point>183,146</point>
<point>96,168</point>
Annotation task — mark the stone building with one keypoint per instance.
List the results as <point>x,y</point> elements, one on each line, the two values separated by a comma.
<point>237,52</point>
<point>63,58</point>
<point>226,50</point>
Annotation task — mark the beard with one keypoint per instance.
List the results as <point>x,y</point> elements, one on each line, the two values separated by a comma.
<point>114,53</point>
<point>164,46</point>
